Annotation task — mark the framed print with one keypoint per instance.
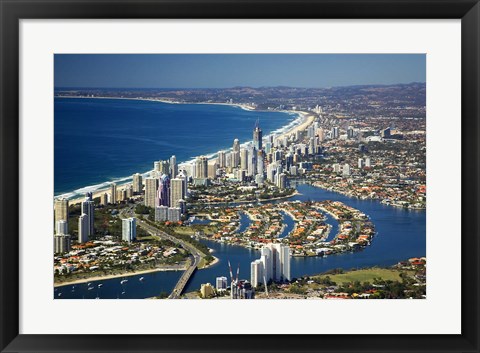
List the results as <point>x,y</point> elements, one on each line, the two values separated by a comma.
<point>182,176</point>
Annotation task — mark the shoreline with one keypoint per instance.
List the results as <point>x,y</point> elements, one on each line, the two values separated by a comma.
<point>108,277</point>
<point>77,195</point>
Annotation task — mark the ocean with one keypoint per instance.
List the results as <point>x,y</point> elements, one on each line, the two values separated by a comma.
<point>104,140</point>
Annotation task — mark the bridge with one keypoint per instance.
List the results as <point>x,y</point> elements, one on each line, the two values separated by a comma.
<point>196,254</point>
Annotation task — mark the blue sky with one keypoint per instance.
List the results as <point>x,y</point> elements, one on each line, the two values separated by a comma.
<point>229,70</point>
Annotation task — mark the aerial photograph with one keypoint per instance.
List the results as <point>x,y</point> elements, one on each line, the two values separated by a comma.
<point>239,176</point>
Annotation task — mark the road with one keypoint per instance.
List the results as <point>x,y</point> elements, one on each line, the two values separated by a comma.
<point>195,257</point>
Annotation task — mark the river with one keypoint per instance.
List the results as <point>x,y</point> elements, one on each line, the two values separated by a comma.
<point>401,234</point>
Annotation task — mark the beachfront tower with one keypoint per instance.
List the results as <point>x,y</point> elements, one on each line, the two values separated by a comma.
<point>137,183</point>
<point>257,137</point>
<point>163,198</point>
<point>129,229</point>
<point>61,210</point>
<point>236,153</point>
<point>151,186</point>
<point>113,193</point>
<point>83,228</point>
<point>201,167</point>
<point>88,208</point>
<point>173,167</point>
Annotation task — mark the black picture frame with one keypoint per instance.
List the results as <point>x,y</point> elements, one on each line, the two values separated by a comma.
<point>12,11</point>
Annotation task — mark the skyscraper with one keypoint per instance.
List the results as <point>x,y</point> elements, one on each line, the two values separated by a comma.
<point>257,137</point>
<point>129,229</point>
<point>83,228</point>
<point>260,164</point>
<point>173,167</point>
<point>88,208</point>
<point>163,191</point>
<point>61,210</point>
<point>176,191</point>
<point>113,193</point>
<point>183,175</point>
<point>236,153</point>
<point>104,199</point>
<point>281,181</point>
<point>222,161</point>
<point>61,227</point>
<point>201,167</point>
<point>151,186</point>
<point>274,264</point>
<point>243,159</point>
<point>62,243</point>
<point>256,273</point>
<point>137,183</point>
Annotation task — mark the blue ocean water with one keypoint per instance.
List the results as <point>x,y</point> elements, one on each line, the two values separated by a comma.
<point>99,140</point>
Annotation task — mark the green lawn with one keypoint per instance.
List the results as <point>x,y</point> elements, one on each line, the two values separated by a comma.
<point>366,275</point>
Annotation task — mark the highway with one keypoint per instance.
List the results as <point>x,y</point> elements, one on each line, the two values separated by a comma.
<point>194,258</point>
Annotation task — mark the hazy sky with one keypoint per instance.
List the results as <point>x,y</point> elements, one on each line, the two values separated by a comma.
<point>229,70</point>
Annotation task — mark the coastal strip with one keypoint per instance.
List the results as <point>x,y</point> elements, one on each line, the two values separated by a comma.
<point>304,120</point>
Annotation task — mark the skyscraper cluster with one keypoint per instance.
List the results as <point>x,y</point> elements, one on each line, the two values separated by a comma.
<point>246,161</point>
<point>274,264</point>
<point>166,192</point>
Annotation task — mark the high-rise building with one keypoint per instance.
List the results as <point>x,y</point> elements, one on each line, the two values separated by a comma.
<point>256,273</point>
<point>282,181</point>
<point>88,208</point>
<point>151,186</point>
<point>137,183</point>
<point>368,162</point>
<point>163,191</point>
<point>206,290</point>
<point>260,163</point>
<point>252,161</point>
<point>243,159</point>
<point>176,191</point>
<point>346,169</point>
<point>163,167</point>
<point>62,243</point>
<point>129,191</point>
<point>221,283</point>
<point>120,195</point>
<point>61,227</point>
<point>222,162</point>
<point>360,163</point>
<point>236,153</point>
<point>83,228</point>
<point>335,133</point>
<point>174,214</point>
<point>274,264</point>
<point>113,193</point>
<point>161,213</point>
<point>173,167</point>
<point>104,199</point>
<point>129,229</point>
<point>61,210</point>
<point>257,137</point>
<point>183,175</point>
<point>201,167</point>
<point>212,169</point>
